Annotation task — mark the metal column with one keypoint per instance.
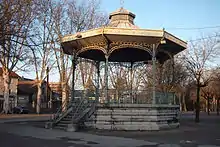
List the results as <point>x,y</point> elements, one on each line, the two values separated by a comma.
<point>154,73</point>
<point>131,71</point>
<point>173,79</point>
<point>106,78</point>
<point>97,81</point>
<point>74,59</point>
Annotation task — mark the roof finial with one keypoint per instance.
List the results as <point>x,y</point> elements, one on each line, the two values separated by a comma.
<point>122,3</point>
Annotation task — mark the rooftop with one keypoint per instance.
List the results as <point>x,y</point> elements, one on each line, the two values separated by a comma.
<point>125,41</point>
<point>11,74</point>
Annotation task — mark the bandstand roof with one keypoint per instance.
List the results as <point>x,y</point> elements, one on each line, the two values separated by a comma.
<point>122,41</point>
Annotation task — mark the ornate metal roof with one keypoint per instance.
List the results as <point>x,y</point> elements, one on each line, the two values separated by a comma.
<point>122,41</point>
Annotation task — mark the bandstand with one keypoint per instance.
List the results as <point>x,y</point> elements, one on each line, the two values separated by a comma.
<point>121,41</point>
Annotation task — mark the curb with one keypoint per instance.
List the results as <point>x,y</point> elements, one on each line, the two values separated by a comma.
<point>18,120</point>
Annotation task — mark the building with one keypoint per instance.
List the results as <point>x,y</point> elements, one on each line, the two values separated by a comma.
<point>27,93</point>
<point>56,90</point>
<point>23,91</point>
<point>12,89</point>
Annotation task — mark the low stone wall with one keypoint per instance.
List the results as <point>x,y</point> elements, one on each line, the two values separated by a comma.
<point>134,117</point>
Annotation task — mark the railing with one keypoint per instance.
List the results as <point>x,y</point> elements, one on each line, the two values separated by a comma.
<point>82,102</point>
<point>87,99</point>
<point>77,110</point>
<point>133,97</point>
<point>64,107</point>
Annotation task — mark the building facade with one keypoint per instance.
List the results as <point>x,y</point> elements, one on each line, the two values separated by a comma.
<point>12,89</point>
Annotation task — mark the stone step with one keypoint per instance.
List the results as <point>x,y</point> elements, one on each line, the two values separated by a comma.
<point>60,127</point>
<point>69,118</point>
<point>65,121</point>
<point>73,114</point>
<point>77,111</point>
<point>61,124</point>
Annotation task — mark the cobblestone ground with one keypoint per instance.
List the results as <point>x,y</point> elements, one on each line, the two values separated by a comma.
<point>205,134</point>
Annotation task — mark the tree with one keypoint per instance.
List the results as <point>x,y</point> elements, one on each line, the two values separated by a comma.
<point>200,54</point>
<point>72,17</point>
<point>170,78</point>
<point>126,77</point>
<point>118,78</point>
<point>16,17</point>
<point>63,62</point>
<point>42,55</point>
<point>171,74</point>
<point>82,16</point>
<point>86,69</point>
<point>216,87</point>
<point>208,94</point>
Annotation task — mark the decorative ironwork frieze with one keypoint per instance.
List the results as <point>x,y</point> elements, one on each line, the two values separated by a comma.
<point>83,49</point>
<point>131,45</point>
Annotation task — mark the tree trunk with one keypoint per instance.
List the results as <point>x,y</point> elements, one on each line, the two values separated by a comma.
<point>16,100</point>
<point>184,102</point>
<point>39,94</point>
<point>180,101</point>
<point>197,104</point>
<point>218,102</point>
<point>64,96</point>
<point>116,95</point>
<point>208,106</point>
<point>213,104</point>
<point>6,81</point>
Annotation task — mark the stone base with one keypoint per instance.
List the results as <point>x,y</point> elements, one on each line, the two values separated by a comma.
<point>48,125</point>
<point>142,117</point>
<point>71,128</point>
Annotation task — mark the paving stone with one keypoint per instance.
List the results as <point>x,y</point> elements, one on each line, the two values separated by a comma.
<point>208,146</point>
<point>169,145</point>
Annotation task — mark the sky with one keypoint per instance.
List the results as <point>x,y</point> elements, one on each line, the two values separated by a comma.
<point>178,17</point>
<point>182,18</point>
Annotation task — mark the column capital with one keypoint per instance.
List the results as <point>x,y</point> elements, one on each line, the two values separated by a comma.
<point>106,56</point>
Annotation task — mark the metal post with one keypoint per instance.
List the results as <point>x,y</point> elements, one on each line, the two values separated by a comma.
<point>173,79</point>
<point>106,78</point>
<point>97,81</point>
<point>47,89</point>
<point>154,73</point>
<point>73,77</point>
<point>132,101</point>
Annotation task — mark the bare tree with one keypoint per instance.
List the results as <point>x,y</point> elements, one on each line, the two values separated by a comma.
<point>200,54</point>
<point>118,78</point>
<point>87,72</point>
<point>126,77</point>
<point>208,93</point>
<point>42,54</point>
<point>71,17</point>
<point>216,88</point>
<point>84,15</point>
<point>170,77</point>
<point>15,23</point>
<point>63,61</point>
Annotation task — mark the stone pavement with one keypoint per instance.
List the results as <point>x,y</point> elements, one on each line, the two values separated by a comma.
<point>75,138</point>
<point>51,138</point>
<point>27,133</point>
